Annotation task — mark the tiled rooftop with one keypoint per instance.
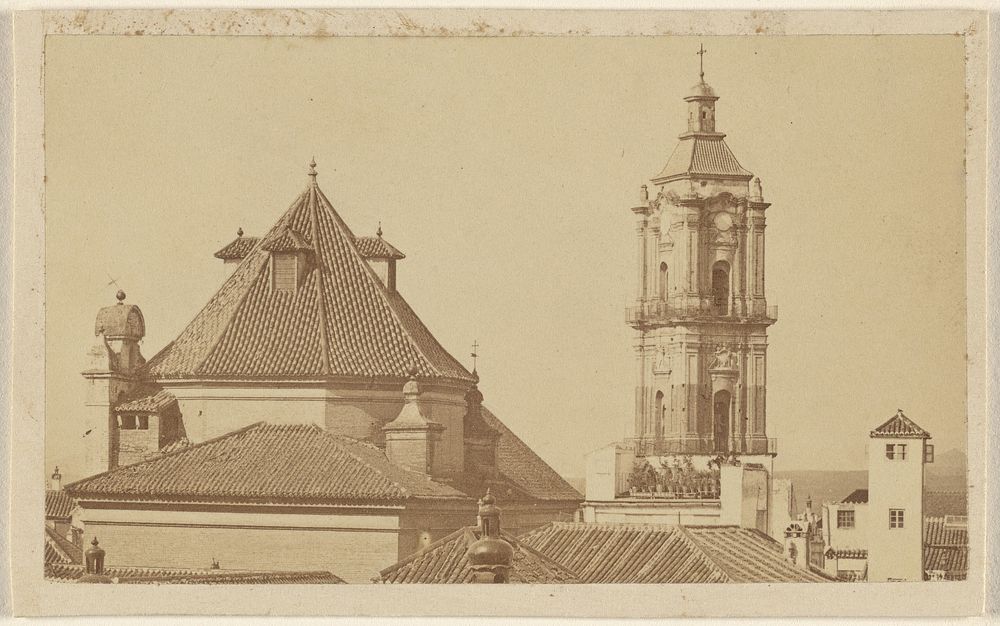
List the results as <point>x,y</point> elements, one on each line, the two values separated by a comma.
<point>519,464</point>
<point>377,248</point>
<point>58,504</point>
<point>858,496</point>
<point>702,156</point>
<point>58,549</point>
<point>445,561</point>
<point>176,576</point>
<point>151,403</point>
<point>267,463</point>
<point>237,249</point>
<point>847,553</point>
<point>649,553</point>
<point>340,321</point>
<point>900,426</point>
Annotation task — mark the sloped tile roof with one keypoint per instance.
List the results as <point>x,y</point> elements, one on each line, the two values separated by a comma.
<point>703,156</point>
<point>58,504</point>
<point>151,403</point>
<point>340,321</point>
<point>943,531</point>
<point>946,546</point>
<point>900,426</point>
<point>445,562</point>
<point>237,249</point>
<point>651,553</point>
<point>265,463</point>
<point>60,550</point>
<point>847,553</point>
<point>520,465</point>
<point>858,496</point>
<point>180,576</point>
<point>377,248</point>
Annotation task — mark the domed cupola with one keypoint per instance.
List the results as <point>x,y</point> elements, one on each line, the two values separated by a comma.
<point>490,557</point>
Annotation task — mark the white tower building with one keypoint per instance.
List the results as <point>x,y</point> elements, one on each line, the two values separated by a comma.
<point>897,452</point>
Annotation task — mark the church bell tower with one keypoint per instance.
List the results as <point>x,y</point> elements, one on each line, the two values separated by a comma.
<point>700,314</point>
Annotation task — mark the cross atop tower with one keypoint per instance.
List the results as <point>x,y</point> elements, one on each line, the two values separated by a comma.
<point>475,353</point>
<point>701,61</point>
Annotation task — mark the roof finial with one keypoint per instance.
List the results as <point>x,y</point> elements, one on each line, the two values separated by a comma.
<point>701,61</point>
<point>379,231</point>
<point>312,169</point>
<point>120,296</point>
<point>239,231</point>
<point>475,356</point>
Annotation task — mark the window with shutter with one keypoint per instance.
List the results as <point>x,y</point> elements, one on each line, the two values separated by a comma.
<point>285,272</point>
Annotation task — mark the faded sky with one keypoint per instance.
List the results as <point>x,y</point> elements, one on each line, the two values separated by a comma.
<point>505,169</point>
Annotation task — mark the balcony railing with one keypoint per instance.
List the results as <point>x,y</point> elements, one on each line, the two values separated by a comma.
<point>704,445</point>
<point>660,310</point>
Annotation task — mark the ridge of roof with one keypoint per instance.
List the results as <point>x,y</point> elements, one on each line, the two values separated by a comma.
<point>900,426</point>
<point>341,321</point>
<point>519,464</point>
<point>316,466</point>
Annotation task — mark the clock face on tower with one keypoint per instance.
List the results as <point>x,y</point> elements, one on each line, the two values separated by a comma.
<point>723,221</point>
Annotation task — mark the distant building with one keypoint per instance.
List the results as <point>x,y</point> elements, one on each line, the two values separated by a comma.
<point>696,449</point>
<point>307,352</point>
<point>884,533</point>
<point>657,553</point>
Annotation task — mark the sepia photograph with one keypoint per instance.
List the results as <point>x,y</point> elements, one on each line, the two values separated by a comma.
<point>686,309</point>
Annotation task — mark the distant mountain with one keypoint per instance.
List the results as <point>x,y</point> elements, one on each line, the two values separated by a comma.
<point>832,486</point>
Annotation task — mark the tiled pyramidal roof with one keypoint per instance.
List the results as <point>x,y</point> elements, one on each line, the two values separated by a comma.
<point>340,321</point>
<point>649,553</point>
<point>900,426</point>
<point>445,562</point>
<point>702,156</point>
<point>300,463</point>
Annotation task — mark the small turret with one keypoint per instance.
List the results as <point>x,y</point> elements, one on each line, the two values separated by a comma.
<point>490,557</point>
<point>94,558</point>
<point>55,483</point>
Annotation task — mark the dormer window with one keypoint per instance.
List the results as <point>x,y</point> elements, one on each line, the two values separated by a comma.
<point>289,259</point>
<point>285,271</point>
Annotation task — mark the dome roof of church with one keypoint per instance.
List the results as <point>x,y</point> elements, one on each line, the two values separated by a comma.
<point>702,90</point>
